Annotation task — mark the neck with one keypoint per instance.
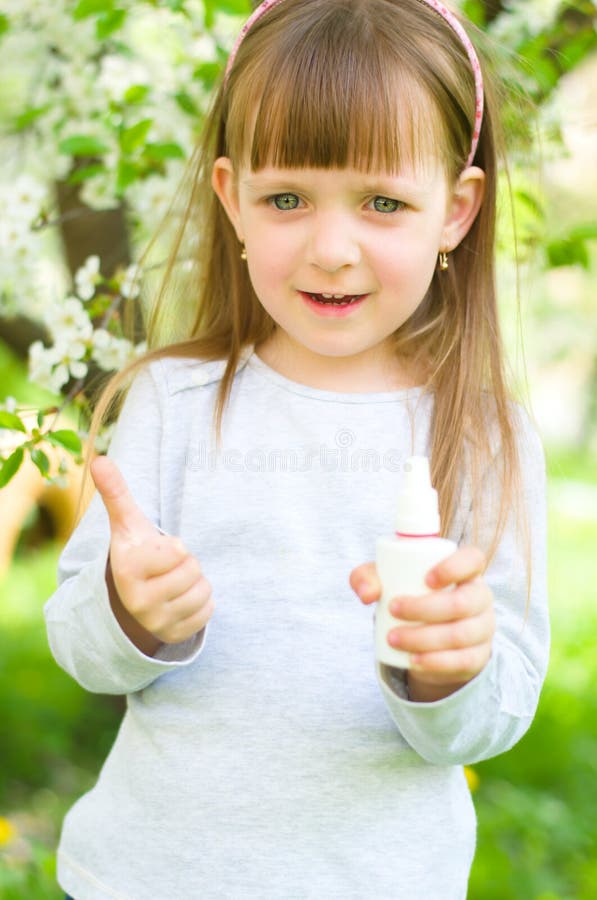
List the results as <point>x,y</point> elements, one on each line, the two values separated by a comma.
<point>371,371</point>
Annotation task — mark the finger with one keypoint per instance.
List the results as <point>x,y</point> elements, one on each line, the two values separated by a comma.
<point>124,514</point>
<point>365,582</point>
<point>196,606</point>
<point>449,636</point>
<point>462,565</point>
<point>176,580</point>
<point>157,556</point>
<point>468,599</point>
<point>457,665</point>
<point>192,601</point>
<point>187,628</point>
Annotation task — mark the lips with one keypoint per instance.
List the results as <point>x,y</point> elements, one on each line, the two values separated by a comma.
<point>334,299</point>
<point>337,306</point>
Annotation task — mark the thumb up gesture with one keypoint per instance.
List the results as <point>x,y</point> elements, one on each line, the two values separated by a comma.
<point>157,590</point>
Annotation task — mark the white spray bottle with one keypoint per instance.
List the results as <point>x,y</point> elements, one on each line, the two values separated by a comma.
<point>403,559</point>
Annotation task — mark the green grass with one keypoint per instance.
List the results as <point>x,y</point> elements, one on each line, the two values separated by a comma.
<point>536,804</point>
<point>54,733</point>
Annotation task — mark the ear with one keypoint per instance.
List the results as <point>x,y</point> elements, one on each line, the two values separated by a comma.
<point>223,181</point>
<point>463,206</point>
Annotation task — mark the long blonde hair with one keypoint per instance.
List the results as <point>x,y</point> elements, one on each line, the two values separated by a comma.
<point>365,84</point>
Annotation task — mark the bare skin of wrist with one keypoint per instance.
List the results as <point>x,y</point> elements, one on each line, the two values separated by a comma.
<point>144,640</point>
<point>423,692</point>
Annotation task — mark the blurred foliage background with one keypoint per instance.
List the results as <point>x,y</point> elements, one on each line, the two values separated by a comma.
<point>537,838</point>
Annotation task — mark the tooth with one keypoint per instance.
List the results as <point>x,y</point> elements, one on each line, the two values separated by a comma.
<point>338,296</point>
<point>328,296</point>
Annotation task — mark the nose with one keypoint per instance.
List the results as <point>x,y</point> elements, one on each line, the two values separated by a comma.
<point>333,243</point>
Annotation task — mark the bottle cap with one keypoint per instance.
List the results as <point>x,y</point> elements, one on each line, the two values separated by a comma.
<point>418,509</point>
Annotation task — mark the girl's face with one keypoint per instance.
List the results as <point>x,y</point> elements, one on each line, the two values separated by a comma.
<point>312,234</point>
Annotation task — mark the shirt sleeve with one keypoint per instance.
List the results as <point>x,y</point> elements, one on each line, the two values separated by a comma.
<point>494,710</point>
<point>84,635</point>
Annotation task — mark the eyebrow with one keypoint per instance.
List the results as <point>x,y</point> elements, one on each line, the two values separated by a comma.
<point>256,184</point>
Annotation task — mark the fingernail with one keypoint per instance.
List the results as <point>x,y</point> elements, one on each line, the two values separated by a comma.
<point>432,578</point>
<point>395,607</point>
<point>363,588</point>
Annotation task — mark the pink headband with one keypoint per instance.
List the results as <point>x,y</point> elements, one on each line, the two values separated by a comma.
<point>452,22</point>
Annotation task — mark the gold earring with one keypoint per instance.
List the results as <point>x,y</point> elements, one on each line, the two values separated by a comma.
<point>243,252</point>
<point>443,260</point>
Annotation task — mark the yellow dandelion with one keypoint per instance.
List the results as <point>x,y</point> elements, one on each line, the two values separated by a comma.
<point>7,831</point>
<point>472,778</point>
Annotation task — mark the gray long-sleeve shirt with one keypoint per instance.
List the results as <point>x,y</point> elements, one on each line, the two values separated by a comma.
<point>269,758</point>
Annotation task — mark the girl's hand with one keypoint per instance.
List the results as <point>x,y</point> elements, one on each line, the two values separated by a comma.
<point>451,642</point>
<point>157,590</point>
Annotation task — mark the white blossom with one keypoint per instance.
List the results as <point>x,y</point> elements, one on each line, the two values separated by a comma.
<point>204,48</point>
<point>9,404</point>
<point>54,63</point>
<point>522,17</point>
<point>87,277</point>
<point>22,200</point>
<point>51,367</point>
<point>69,362</point>
<point>42,361</point>
<point>102,440</point>
<point>129,285</point>
<point>110,352</point>
<point>100,192</point>
<point>68,320</point>
<point>118,74</point>
<point>14,240</point>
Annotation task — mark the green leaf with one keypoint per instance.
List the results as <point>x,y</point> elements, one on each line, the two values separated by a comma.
<point>11,421</point>
<point>475,11</point>
<point>11,466</point>
<point>186,103</point>
<point>4,24</point>
<point>532,203</point>
<point>136,94</point>
<point>86,8</point>
<point>134,137</point>
<point>568,252</point>
<point>208,73</point>
<point>26,118</point>
<point>68,439</point>
<point>85,173</point>
<point>82,145</point>
<point>576,48</point>
<point>546,73</point>
<point>234,7</point>
<point>109,23</point>
<point>585,232</point>
<point>41,461</point>
<point>158,152</point>
<point>127,174</point>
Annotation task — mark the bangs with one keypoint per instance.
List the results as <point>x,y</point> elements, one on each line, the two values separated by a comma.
<point>337,95</point>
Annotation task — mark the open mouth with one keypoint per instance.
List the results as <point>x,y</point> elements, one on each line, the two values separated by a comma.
<point>336,299</point>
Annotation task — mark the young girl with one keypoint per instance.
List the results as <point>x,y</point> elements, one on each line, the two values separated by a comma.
<point>345,319</point>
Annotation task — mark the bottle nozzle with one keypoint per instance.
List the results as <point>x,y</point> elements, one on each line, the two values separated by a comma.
<point>418,511</point>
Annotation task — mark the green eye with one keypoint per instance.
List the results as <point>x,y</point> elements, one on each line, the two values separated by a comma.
<point>386,204</point>
<point>285,201</point>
